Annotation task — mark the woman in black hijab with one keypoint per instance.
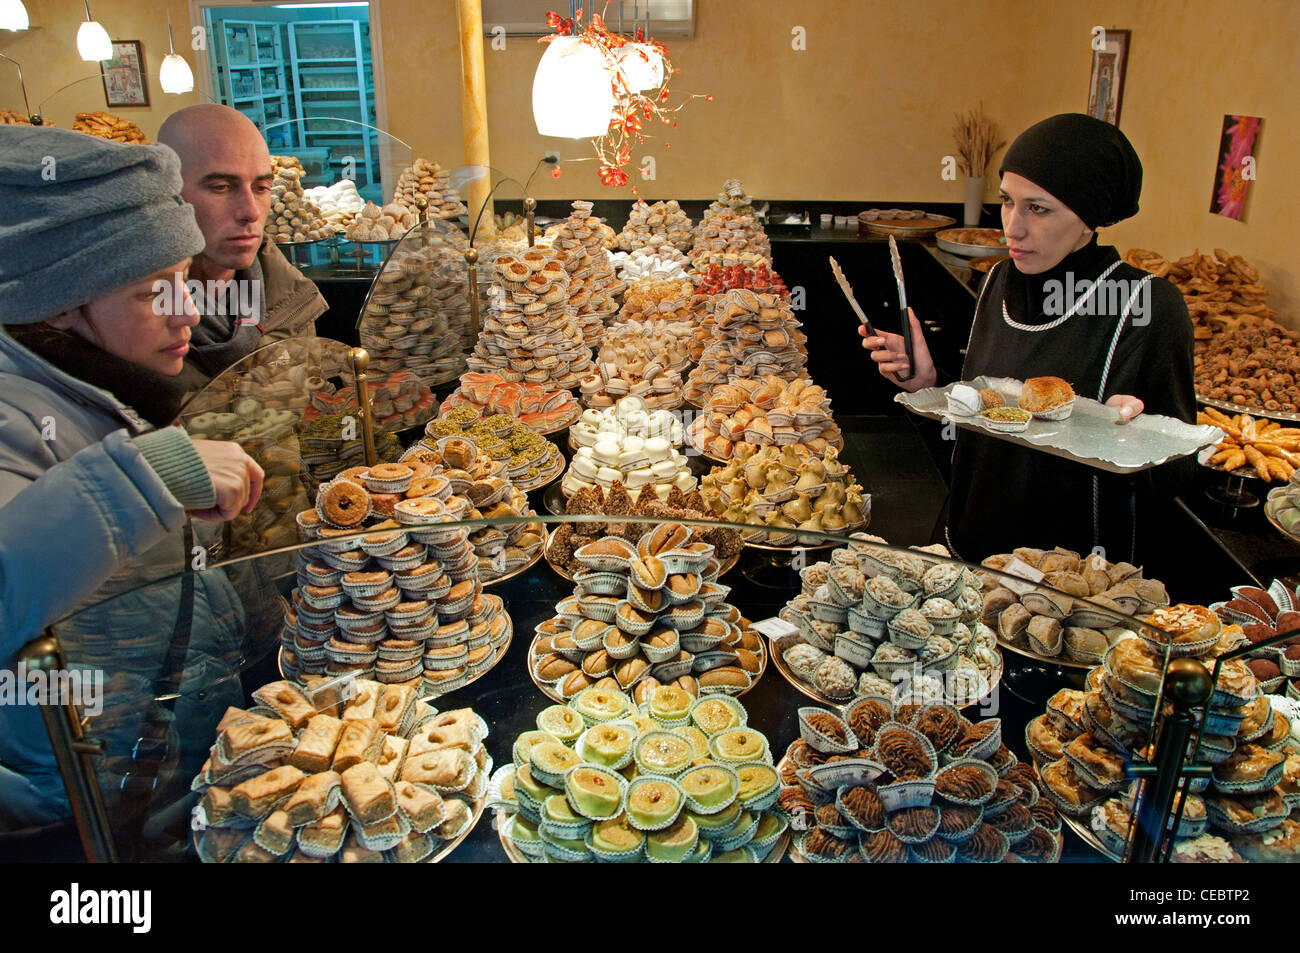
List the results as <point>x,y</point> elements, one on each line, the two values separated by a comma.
<point>1064,306</point>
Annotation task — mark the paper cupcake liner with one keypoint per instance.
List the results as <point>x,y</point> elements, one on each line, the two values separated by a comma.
<point>1270,780</point>
<point>667,722</point>
<point>681,618</point>
<point>821,742</point>
<point>634,628</point>
<point>590,608</point>
<point>999,854</point>
<point>1091,779</point>
<point>378,603</point>
<point>1179,649</point>
<point>564,830</point>
<point>709,809</point>
<point>983,766</point>
<point>1068,809</point>
<point>765,801</point>
<point>449,685</point>
<point>599,583</point>
<point>635,855</point>
<point>943,625</point>
<point>1223,698</point>
<point>660,654</point>
<point>866,624</point>
<point>911,839</point>
<point>907,640</point>
<point>828,611</point>
<point>561,852</point>
<point>961,836</point>
<point>1220,821</point>
<point>739,836</point>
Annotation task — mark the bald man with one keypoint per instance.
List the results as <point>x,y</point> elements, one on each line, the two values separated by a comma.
<point>226,172</point>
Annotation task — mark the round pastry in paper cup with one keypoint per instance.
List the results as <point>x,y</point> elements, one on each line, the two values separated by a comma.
<point>663,753</point>
<point>596,793</point>
<point>737,745</point>
<point>826,731</point>
<point>608,744</point>
<point>653,802</point>
<point>1196,631</point>
<point>1270,812</point>
<point>559,821</point>
<point>966,782</point>
<point>886,610</point>
<point>855,649</point>
<point>566,851</point>
<point>599,583</point>
<point>740,835</point>
<point>714,714</point>
<point>709,788</point>
<point>1265,782</point>
<point>602,851</point>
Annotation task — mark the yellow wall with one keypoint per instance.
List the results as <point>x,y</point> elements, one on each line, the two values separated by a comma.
<point>864,113</point>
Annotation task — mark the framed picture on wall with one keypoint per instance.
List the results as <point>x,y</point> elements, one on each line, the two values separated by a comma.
<point>1106,85</point>
<point>124,75</point>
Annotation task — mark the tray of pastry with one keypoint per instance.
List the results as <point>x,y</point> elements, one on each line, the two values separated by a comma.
<point>971,242</point>
<point>1087,432</point>
<point>903,223</point>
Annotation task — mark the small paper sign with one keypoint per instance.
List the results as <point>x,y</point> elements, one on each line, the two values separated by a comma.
<point>1024,571</point>
<point>775,628</point>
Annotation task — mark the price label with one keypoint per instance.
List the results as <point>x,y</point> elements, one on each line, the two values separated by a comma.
<point>775,628</point>
<point>1024,571</point>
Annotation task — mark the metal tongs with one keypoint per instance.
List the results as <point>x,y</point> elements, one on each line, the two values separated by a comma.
<point>857,308</point>
<point>902,308</point>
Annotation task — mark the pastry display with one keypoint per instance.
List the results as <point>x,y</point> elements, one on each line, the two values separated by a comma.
<point>330,443</point>
<point>733,198</point>
<point>530,332</point>
<point>760,279</point>
<point>660,223</point>
<point>425,179</point>
<point>388,223</point>
<point>628,444</point>
<point>1092,601</point>
<point>879,621</point>
<point>530,460</point>
<point>659,777</point>
<point>536,406</point>
<point>417,316</point>
<point>643,359</point>
<point>766,411</point>
<point>655,261</point>
<point>651,612</point>
<point>785,490</point>
<point>594,285</point>
<point>658,299</point>
<point>372,776</point>
<point>339,203</point>
<point>911,781</point>
<point>107,126</point>
<point>293,216</point>
<point>1263,448</point>
<point>1262,614</point>
<point>755,335</point>
<point>727,236</point>
<point>398,401</point>
<point>617,502</point>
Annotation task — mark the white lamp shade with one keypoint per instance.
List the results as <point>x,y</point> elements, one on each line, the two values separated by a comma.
<point>93,42</point>
<point>175,75</point>
<point>13,15</point>
<point>573,94</point>
<point>642,72</point>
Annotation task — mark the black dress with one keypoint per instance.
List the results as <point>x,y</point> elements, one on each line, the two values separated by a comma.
<point>1004,495</point>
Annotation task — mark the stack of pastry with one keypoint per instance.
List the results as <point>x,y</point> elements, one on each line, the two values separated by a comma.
<point>107,126</point>
<point>732,198</point>
<point>662,261</point>
<point>659,776</point>
<point>374,224</point>
<point>530,459</point>
<point>417,317</point>
<point>628,445</point>
<point>653,609</point>
<point>293,216</point>
<point>950,790</point>
<point>727,237</point>
<point>1079,614</point>
<point>333,442</point>
<point>754,335</point>
<point>715,279</point>
<point>339,203</point>
<point>594,286</point>
<point>397,401</point>
<point>390,591</point>
<point>765,411</point>
<point>641,359</point>
<point>378,777</point>
<point>533,405</point>
<point>874,620</point>
<point>785,490</point>
<point>655,224</point>
<point>657,299</point>
<point>530,330</point>
<point>1086,740</point>
<point>425,179</point>
<point>617,502</point>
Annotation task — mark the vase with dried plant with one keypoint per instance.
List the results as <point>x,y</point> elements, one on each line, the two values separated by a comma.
<point>976,135</point>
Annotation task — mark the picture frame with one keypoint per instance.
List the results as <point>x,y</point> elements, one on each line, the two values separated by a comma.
<point>125,75</point>
<point>1106,84</point>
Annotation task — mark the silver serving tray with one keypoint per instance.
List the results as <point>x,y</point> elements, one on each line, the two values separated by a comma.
<point>1088,436</point>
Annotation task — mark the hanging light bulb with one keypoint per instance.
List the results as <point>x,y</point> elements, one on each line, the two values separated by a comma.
<point>93,42</point>
<point>13,15</point>
<point>175,75</point>
<point>573,96</point>
<point>642,71</point>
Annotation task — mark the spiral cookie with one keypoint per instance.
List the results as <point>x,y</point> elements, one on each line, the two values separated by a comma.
<point>343,503</point>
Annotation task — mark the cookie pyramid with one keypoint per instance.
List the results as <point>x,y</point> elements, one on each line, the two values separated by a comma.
<point>656,224</point>
<point>425,179</point>
<point>530,332</point>
<point>732,198</point>
<point>756,334</point>
<point>293,216</point>
<point>729,236</point>
<point>593,299</point>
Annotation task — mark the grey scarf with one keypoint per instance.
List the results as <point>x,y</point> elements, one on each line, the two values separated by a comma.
<point>228,329</point>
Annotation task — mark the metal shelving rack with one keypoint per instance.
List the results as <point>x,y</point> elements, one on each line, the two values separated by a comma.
<point>252,73</point>
<point>349,93</point>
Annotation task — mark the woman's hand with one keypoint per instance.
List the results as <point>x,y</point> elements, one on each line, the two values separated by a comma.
<point>1129,406</point>
<point>236,477</point>
<point>890,355</point>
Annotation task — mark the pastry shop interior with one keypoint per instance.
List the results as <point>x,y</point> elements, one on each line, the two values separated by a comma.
<point>720,437</point>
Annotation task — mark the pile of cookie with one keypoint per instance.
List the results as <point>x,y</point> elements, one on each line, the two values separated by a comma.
<point>397,401</point>
<point>530,328</point>
<point>642,359</point>
<point>657,299</point>
<point>732,199</point>
<point>765,411</point>
<point>107,126</point>
<point>663,222</point>
<point>372,223</point>
<point>293,216</point>
<point>425,179</point>
<point>649,610</point>
<point>1222,290</point>
<point>403,600</point>
<point>630,444</point>
<point>1079,621</point>
<point>529,458</point>
<point>534,405</point>
<point>657,776</point>
<point>594,285</point>
<point>879,621</point>
<point>331,443</point>
<point>727,235</point>
<point>911,781</point>
<point>1264,614</point>
<point>10,118</point>
<point>417,317</point>
<point>362,773</point>
<point>755,335</point>
<point>716,279</point>
<point>339,203</point>
<point>661,261</point>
